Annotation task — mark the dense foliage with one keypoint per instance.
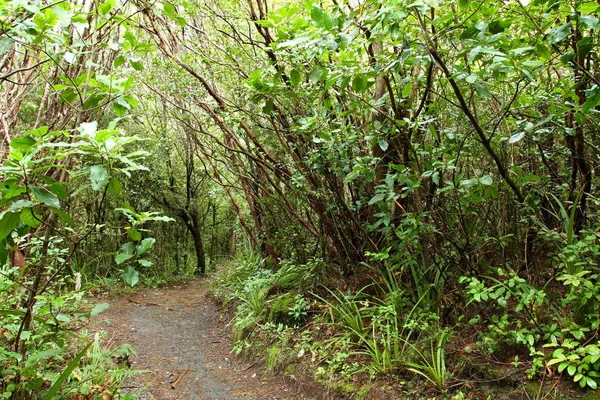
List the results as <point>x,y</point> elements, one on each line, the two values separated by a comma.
<point>400,181</point>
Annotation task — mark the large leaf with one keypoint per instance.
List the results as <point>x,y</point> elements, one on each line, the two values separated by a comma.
<point>6,44</point>
<point>106,7</point>
<point>59,190</point>
<point>46,197</point>
<point>559,34</point>
<point>114,187</point>
<point>145,245</point>
<point>316,74</point>
<point>131,276</point>
<point>134,234</point>
<point>295,77</point>
<point>486,180</point>
<point>99,177</point>
<point>30,218</point>
<point>8,222</point>
<point>3,252</point>
<point>320,18</point>
<point>145,263</point>
<point>360,83</point>
<point>20,205</point>
<point>516,137</point>
<point>22,143</point>
<point>126,252</point>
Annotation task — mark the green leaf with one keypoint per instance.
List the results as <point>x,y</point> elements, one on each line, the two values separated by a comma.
<point>3,252</point>
<point>590,22</point>
<point>62,14</point>
<point>145,245</point>
<point>39,132</point>
<point>592,383</point>
<point>294,77</point>
<point>23,143</point>
<point>360,83</point>
<point>46,197</point>
<point>571,369</point>
<point>316,74</point>
<point>471,78</point>
<point>59,190</point>
<point>516,137</point>
<point>19,205</point>
<point>561,366</point>
<point>136,65</point>
<point>294,42</point>
<point>320,18</point>
<point>377,198</point>
<point>126,252</point>
<point>29,218</point>
<point>119,109</point>
<point>486,180</point>
<point>145,263</point>
<point>120,60</point>
<point>63,318</point>
<point>482,90</point>
<point>66,373</point>
<point>134,234</point>
<point>99,177</point>
<point>6,44</point>
<point>106,7</point>
<point>114,186</point>
<point>99,308</point>
<point>560,34</point>
<point>590,7</point>
<point>131,276</point>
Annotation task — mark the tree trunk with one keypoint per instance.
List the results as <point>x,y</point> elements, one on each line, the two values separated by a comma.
<point>194,228</point>
<point>199,247</point>
<point>193,225</point>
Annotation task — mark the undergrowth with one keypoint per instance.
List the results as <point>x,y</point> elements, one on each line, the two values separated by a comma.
<point>63,360</point>
<point>382,336</point>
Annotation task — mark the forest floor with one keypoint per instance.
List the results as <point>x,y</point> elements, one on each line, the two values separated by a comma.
<point>178,332</point>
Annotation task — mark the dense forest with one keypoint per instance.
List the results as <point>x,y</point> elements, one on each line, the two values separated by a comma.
<point>396,198</point>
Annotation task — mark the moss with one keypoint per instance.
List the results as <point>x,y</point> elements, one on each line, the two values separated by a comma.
<point>343,387</point>
<point>591,396</point>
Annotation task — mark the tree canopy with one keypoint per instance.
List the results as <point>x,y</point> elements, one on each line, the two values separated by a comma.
<point>434,159</point>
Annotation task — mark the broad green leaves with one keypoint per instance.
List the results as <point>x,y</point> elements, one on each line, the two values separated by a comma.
<point>131,276</point>
<point>46,197</point>
<point>145,245</point>
<point>8,223</point>
<point>126,252</point>
<point>321,18</point>
<point>360,83</point>
<point>99,177</point>
<point>106,6</point>
<point>131,249</point>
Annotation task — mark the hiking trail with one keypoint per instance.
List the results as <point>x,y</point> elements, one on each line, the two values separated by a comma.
<point>183,340</point>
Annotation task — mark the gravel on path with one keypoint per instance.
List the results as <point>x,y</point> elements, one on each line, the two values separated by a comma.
<point>179,331</point>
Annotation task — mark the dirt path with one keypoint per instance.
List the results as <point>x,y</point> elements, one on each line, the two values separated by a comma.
<point>179,329</point>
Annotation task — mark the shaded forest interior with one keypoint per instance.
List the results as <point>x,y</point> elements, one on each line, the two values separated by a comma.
<point>402,191</point>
